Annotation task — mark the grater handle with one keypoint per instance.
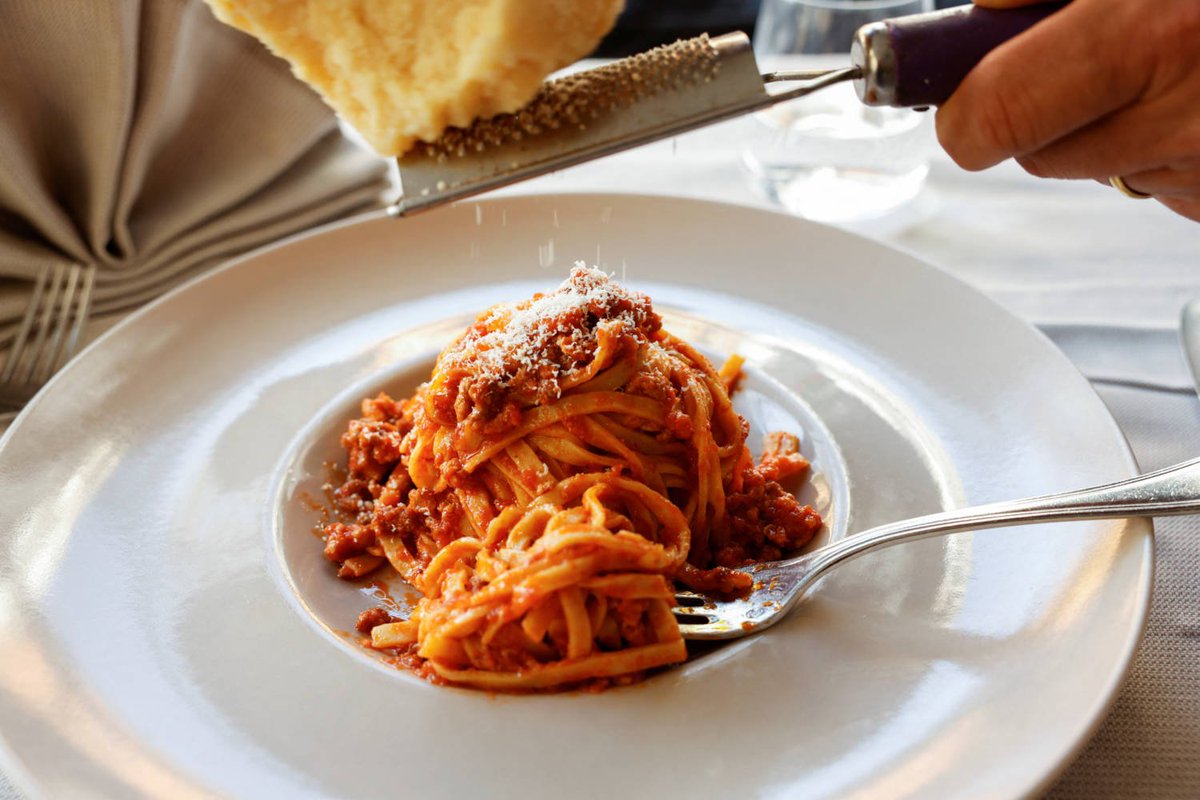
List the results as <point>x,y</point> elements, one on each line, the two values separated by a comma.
<point>919,60</point>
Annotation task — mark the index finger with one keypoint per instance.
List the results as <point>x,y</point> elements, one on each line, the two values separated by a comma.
<point>1075,66</point>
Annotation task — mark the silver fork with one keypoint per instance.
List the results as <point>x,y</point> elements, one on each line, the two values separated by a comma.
<point>48,333</point>
<point>779,585</point>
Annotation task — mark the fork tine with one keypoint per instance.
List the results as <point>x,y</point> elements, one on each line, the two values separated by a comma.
<point>686,598</point>
<point>711,630</point>
<point>688,621</point>
<point>49,300</point>
<point>83,307</point>
<point>47,360</point>
<point>18,346</point>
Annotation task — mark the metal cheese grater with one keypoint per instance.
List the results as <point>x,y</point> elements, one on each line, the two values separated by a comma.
<point>909,62</point>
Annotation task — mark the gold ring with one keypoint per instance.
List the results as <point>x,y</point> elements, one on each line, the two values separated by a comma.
<point>1118,183</point>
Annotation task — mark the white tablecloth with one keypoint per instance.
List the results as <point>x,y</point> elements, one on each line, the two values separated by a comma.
<point>1105,276</point>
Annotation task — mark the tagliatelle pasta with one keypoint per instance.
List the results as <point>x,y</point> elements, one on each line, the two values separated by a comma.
<point>568,462</point>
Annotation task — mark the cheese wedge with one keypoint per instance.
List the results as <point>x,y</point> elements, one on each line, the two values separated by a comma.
<point>404,70</point>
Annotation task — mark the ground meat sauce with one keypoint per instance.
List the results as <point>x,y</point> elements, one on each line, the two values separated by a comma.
<point>763,523</point>
<point>370,618</point>
<point>344,541</point>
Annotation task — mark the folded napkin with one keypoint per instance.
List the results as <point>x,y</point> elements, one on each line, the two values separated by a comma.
<point>147,138</point>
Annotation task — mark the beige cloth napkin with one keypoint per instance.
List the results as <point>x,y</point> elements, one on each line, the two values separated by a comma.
<point>147,138</point>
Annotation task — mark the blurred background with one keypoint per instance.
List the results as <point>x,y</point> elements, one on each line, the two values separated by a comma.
<point>648,23</point>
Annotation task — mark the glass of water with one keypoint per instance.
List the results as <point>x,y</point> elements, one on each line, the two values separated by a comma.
<point>827,156</point>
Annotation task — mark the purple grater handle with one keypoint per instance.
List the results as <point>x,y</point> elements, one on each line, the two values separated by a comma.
<point>920,60</point>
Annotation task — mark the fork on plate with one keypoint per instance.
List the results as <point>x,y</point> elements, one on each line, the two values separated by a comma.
<point>779,585</point>
<point>48,333</point>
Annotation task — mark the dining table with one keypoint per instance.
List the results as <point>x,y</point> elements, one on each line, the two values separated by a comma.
<point>1104,277</point>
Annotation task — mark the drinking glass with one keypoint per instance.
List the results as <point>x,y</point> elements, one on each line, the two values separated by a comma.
<point>827,156</point>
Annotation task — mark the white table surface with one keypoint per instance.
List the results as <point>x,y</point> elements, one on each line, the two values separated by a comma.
<point>1105,277</point>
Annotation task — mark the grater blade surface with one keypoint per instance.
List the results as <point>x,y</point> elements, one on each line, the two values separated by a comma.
<point>653,95</point>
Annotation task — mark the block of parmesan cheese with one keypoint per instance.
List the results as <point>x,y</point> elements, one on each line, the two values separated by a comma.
<point>404,70</point>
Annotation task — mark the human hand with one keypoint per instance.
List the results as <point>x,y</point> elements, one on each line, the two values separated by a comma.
<point>1101,88</point>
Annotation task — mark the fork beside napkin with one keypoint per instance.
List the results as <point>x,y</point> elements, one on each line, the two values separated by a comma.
<point>146,138</point>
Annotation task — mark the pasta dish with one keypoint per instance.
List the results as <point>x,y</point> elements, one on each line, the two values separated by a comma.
<point>566,464</point>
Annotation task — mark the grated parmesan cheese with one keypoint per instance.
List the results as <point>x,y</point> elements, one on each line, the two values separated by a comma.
<point>543,338</point>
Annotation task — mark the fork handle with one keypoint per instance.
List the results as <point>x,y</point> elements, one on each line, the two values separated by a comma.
<point>1170,491</point>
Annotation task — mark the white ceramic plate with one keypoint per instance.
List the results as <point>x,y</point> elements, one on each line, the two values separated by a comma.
<point>168,628</point>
